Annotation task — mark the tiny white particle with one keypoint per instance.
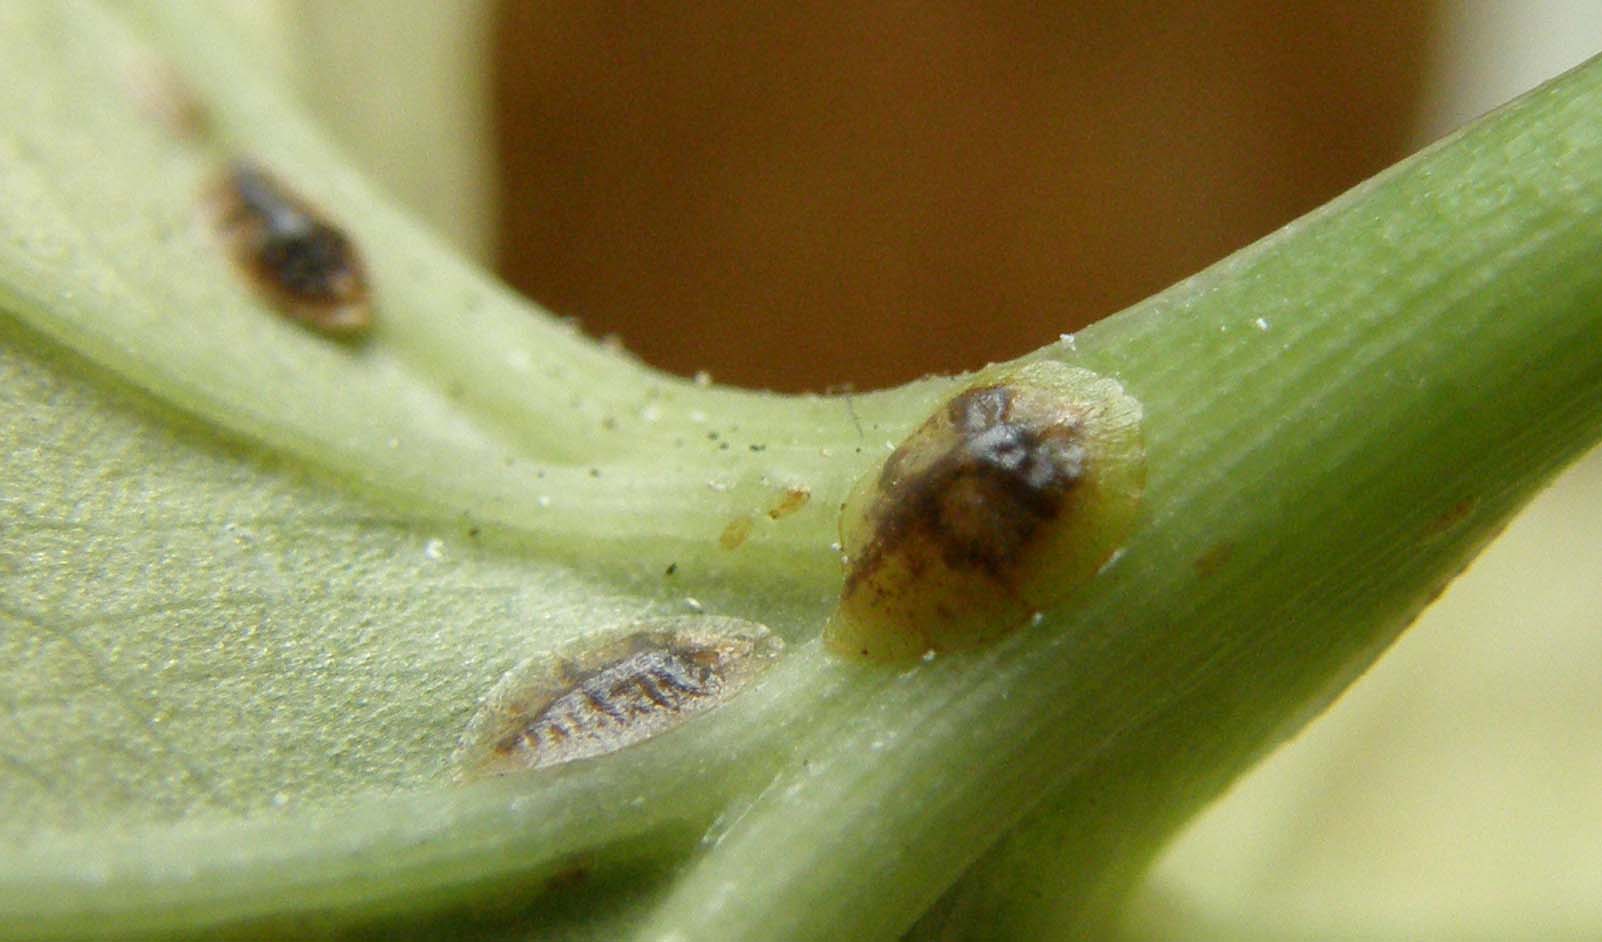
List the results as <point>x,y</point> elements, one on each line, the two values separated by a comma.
<point>280,799</point>
<point>1261,324</point>
<point>519,360</point>
<point>1037,618</point>
<point>717,487</point>
<point>651,413</point>
<point>697,416</point>
<point>544,501</point>
<point>826,452</point>
<point>1067,340</point>
<point>889,446</point>
<point>1111,560</point>
<point>393,443</point>
<point>693,604</point>
<point>928,655</point>
<point>702,378</point>
<point>434,549</point>
<point>835,546</point>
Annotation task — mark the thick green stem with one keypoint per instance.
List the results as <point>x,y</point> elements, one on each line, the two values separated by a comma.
<point>1335,420</point>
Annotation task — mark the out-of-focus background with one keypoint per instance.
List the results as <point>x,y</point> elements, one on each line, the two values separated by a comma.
<point>801,195</point>
<point>808,196</point>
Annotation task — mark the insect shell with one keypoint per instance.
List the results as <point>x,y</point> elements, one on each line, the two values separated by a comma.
<point>302,263</point>
<point>1017,490</point>
<point>552,709</point>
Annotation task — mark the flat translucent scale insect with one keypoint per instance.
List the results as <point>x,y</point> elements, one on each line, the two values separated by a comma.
<point>557,708</point>
<point>161,94</point>
<point>1003,502</point>
<point>304,265</point>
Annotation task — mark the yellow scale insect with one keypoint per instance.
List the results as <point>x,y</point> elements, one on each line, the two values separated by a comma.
<point>643,682</point>
<point>1014,493</point>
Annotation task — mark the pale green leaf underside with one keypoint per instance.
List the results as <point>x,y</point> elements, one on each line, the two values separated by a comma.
<point>189,627</point>
<point>252,583</point>
<point>200,547</point>
<point>461,405</point>
<point>196,629</point>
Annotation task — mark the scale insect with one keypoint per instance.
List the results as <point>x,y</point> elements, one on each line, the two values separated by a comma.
<point>1014,493</point>
<point>655,675</point>
<point>161,94</point>
<point>305,266</point>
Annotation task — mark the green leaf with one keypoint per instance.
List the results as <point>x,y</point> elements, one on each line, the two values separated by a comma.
<point>254,583</point>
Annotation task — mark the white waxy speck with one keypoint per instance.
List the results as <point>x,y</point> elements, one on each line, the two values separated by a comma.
<point>1067,340</point>
<point>1261,324</point>
<point>702,378</point>
<point>717,487</point>
<point>519,360</point>
<point>697,416</point>
<point>393,443</point>
<point>434,549</point>
<point>1037,618</point>
<point>825,452</point>
<point>928,655</point>
<point>693,604</point>
<point>651,413</point>
<point>1111,560</point>
<point>544,501</point>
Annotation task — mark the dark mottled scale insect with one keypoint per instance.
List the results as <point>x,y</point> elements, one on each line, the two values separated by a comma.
<point>1012,494</point>
<point>307,267</point>
<point>554,709</point>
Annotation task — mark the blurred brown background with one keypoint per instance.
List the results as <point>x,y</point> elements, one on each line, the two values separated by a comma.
<point>795,196</point>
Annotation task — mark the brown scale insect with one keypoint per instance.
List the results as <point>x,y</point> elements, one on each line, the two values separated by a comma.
<point>734,535</point>
<point>305,266</point>
<point>549,710</point>
<point>793,499</point>
<point>161,94</point>
<point>976,504</point>
<point>1017,490</point>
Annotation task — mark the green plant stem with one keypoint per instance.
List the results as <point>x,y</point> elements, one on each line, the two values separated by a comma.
<point>1336,419</point>
<point>521,406</point>
<point>1447,259</point>
<point>1428,356</point>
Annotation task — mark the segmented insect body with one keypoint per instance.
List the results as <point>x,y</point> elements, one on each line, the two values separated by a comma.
<point>306,266</point>
<point>1014,492</point>
<point>554,709</point>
